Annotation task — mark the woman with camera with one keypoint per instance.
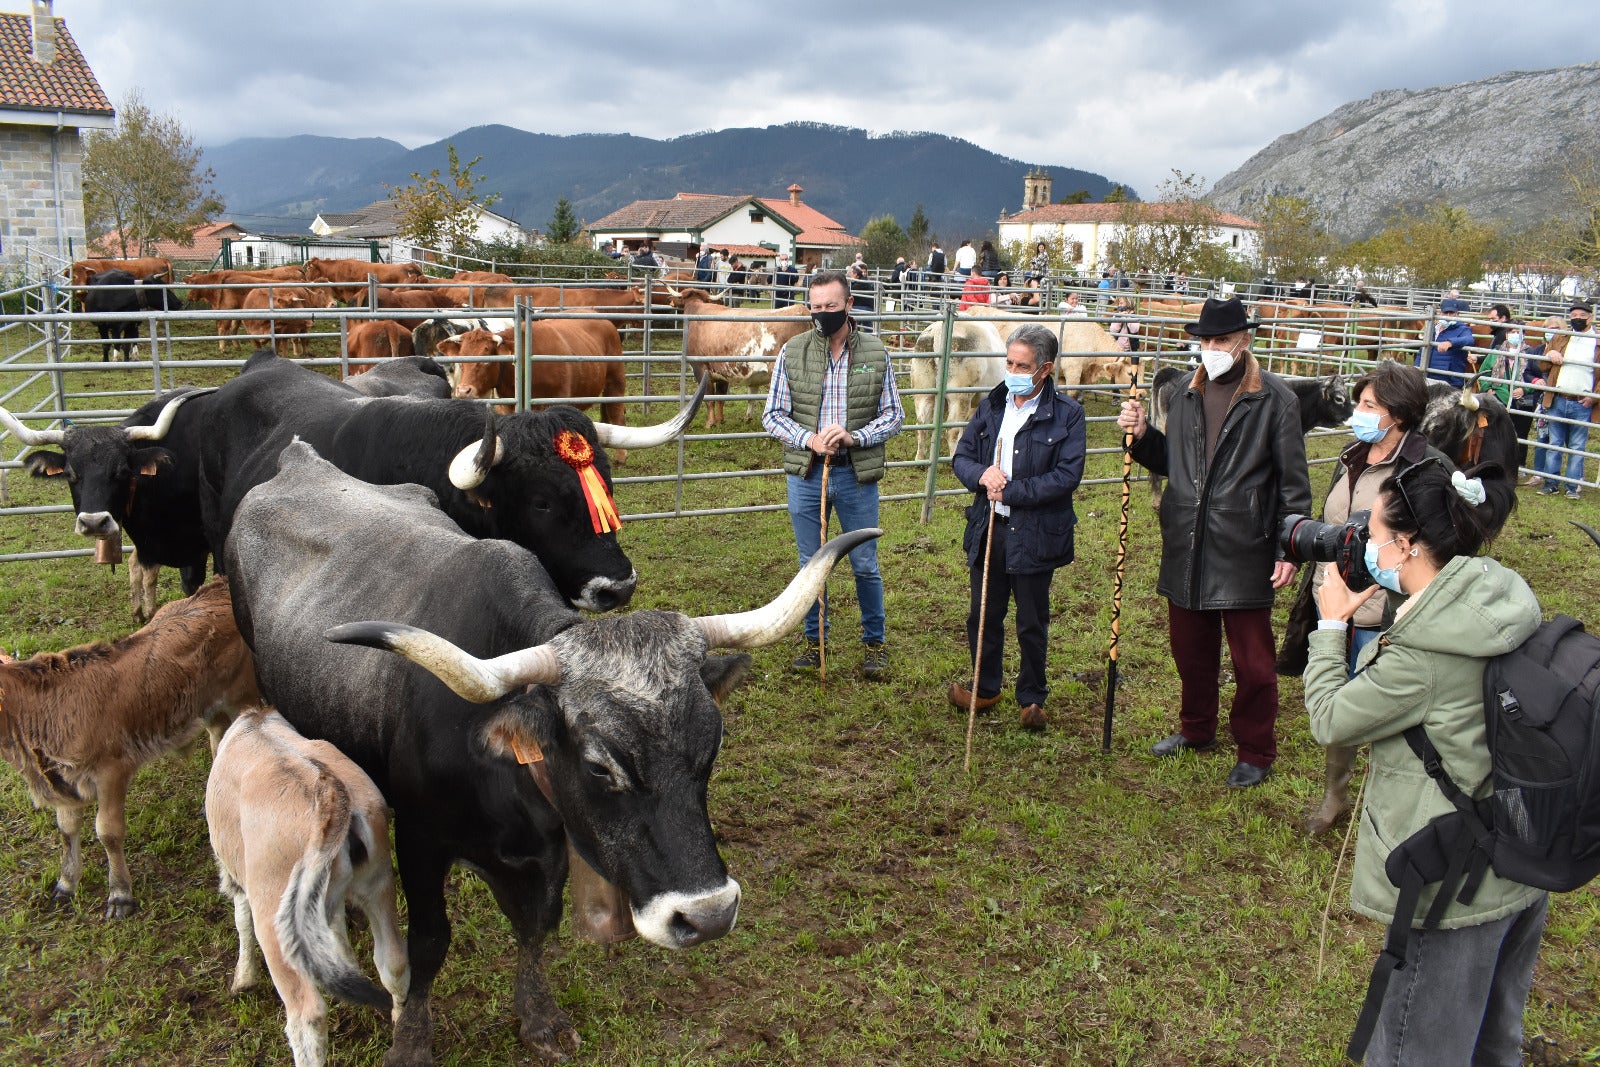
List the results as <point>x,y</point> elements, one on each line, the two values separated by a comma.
<point>1460,996</point>
<point>1390,401</point>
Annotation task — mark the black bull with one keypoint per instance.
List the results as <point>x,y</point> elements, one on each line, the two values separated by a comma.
<point>618,714</point>
<point>494,478</point>
<point>116,292</point>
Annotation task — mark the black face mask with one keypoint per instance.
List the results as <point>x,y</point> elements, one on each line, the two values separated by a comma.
<point>828,322</point>
<point>1578,324</point>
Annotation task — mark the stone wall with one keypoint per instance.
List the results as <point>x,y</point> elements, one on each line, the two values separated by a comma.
<point>28,213</point>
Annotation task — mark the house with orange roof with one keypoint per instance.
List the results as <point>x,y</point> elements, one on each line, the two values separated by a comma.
<point>48,97</point>
<point>203,246</point>
<point>754,228</point>
<point>1090,229</point>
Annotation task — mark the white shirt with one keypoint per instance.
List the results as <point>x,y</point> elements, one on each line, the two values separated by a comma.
<point>966,256</point>
<point>1010,423</point>
<point>1576,373</point>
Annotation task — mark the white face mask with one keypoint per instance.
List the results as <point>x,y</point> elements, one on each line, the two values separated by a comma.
<point>1218,361</point>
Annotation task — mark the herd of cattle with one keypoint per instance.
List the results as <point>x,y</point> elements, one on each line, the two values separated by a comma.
<point>505,730</point>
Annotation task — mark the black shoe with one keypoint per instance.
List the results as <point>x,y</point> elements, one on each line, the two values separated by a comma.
<point>810,659</point>
<point>1245,775</point>
<point>1171,746</point>
<point>874,662</point>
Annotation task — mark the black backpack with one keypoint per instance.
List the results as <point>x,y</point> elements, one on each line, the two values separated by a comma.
<point>1540,826</point>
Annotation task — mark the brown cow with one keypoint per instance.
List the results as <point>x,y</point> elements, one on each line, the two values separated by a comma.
<point>374,340</point>
<point>736,352</point>
<point>298,830</point>
<point>233,299</point>
<point>282,298</point>
<point>353,273</point>
<point>553,379</point>
<point>139,268</point>
<point>430,297</point>
<point>78,724</point>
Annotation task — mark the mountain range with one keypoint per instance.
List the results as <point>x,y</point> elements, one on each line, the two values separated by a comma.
<point>1496,147</point>
<point>280,184</point>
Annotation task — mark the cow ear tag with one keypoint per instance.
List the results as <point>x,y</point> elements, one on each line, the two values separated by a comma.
<point>525,748</point>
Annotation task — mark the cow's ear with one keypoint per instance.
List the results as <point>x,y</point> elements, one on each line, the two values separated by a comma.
<point>508,736</point>
<point>149,461</point>
<point>722,674</point>
<point>46,464</point>
<point>449,348</point>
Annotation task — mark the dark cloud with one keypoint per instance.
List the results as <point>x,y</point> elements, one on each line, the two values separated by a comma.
<point>1132,90</point>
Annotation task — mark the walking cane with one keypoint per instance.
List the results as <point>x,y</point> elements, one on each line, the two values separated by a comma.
<point>822,597</point>
<point>1122,559</point>
<point>977,652</point>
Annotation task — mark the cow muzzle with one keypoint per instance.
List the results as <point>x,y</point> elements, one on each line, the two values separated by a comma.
<point>96,524</point>
<point>603,594</point>
<point>679,920</point>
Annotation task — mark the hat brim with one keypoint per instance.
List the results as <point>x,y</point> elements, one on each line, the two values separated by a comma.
<point>1195,329</point>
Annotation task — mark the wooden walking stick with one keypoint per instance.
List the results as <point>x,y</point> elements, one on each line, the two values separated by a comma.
<point>977,651</point>
<point>1122,559</point>
<point>822,597</point>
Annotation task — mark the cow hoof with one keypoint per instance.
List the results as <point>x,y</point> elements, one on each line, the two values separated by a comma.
<point>413,1037</point>
<point>554,1039</point>
<point>121,907</point>
<point>61,895</point>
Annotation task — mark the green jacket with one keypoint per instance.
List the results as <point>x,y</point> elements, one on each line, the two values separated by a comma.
<point>1426,669</point>
<point>806,362</point>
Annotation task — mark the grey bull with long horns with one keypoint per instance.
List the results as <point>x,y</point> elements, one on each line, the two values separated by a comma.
<point>521,725</point>
<point>495,477</point>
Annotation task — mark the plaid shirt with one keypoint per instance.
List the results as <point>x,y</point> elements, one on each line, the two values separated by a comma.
<point>780,424</point>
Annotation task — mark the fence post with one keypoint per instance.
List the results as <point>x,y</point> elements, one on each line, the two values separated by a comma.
<point>937,441</point>
<point>649,323</point>
<point>53,342</point>
<point>521,342</point>
<point>1427,349</point>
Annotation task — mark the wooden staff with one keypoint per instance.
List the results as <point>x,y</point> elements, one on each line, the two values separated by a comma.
<point>822,597</point>
<point>1122,559</point>
<point>977,650</point>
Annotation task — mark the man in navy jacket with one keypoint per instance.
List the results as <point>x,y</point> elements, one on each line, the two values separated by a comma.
<point>1447,361</point>
<point>1022,453</point>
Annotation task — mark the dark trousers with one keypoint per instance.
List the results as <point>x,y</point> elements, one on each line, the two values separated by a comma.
<point>1197,650</point>
<point>1522,422</point>
<point>1031,592</point>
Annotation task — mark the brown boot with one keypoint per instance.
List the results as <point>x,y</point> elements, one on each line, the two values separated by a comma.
<point>1033,718</point>
<point>1341,762</point>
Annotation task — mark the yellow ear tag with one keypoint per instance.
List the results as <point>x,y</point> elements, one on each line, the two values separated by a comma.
<point>525,755</point>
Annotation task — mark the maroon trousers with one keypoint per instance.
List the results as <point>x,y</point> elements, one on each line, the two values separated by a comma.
<point>1197,650</point>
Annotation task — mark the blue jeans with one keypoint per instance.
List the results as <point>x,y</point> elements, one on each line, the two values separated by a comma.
<point>1569,436</point>
<point>856,505</point>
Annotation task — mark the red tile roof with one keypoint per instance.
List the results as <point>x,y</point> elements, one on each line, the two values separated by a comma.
<point>686,211</point>
<point>1113,213</point>
<point>802,215</point>
<point>207,244</point>
<point>826,237</point>
<point>66,85</point>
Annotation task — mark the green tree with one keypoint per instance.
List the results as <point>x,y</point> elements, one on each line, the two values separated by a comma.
<point>563,225</point>
<point>917,232</point>
<point>442,212</point>
<point>885,241</point>
<point>1441,247</point>
<point>1117,195</point>
<point>1176,232</point>
<point>1080,196</point>
<point>143,182</point>
<point>1293,238</point>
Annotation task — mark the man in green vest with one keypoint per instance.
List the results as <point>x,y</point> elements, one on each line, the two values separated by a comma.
<point>833,402</point>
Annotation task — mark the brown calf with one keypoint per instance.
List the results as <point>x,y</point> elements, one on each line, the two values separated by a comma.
<point>298,829</point>
<point>78,724</point>
<point>282,297</point>
<point>375,340</point>
<point>233,299</point>
<point>734,352</point>
<point>595,338</point>
<point>354,274</point>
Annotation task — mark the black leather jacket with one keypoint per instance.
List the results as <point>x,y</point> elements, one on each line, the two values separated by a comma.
<point>1219,526</point>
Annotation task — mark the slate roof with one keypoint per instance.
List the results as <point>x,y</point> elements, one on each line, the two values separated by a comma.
<point>1113,213</point>
<point>381,218</point>
<point>66,85</point>
<point>686,211</point>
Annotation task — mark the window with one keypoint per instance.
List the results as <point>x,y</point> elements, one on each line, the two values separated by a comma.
<point>757,216</point>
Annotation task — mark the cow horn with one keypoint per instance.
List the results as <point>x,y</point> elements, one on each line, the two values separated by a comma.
<point>1590,530</point>
<point>1468,398</point>
<point>650,436</point>
<point>470,678</point>
<point>469,469</point>
<point>27,436</point>
<point>164,423</point>
<point>764,625</point>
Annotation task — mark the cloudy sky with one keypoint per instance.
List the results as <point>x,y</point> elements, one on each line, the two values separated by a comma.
<point>1130,89</point>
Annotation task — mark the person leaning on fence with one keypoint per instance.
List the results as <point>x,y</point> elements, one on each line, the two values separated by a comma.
<point>1571,405</point>
<point>833,395</point>
<point>1460,996</point>
<point>1235,461</point>
<point>1446,355</point>
<point>1022,452</point>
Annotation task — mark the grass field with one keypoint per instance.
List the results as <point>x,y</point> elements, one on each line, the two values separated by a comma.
<point>1053,906</point>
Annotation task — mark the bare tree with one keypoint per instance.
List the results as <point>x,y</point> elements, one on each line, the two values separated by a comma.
<point>143,181</point>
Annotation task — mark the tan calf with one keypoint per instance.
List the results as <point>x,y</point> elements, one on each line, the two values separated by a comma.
<point>298,829</point>
<point>78,724</point>
<point>267,331</point>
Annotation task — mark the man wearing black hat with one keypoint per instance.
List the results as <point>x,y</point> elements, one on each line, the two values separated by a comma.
<point>1235,461</point>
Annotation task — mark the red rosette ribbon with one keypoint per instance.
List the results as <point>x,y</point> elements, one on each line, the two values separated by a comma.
<point>576,451</point>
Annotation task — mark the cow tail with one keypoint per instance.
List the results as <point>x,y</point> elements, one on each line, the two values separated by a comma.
<point>305,931</point>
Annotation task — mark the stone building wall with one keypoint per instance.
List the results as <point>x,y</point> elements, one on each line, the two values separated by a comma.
<point>28,213</point>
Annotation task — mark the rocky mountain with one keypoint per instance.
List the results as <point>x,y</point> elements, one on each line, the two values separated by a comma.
<point>1494,147</point>
<point>280,184</point>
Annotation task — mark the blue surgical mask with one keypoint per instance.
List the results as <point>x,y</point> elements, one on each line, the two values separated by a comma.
<point>1388,577</point>
<point>1364,424</point>
<point>1020,384</point>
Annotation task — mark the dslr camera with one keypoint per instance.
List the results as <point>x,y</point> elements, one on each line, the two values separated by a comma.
<point>1305,540</point>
